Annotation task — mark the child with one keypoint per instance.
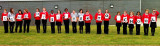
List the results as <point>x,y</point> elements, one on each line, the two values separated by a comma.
<point>5,20</point>
<point>59,20</point>
<point>138,23</point>
<point>146,21</point>
<point>19,21</point>
<point>118,22</point>
<point>74,21</point>
<point>87,18</point>
<point>131,22</point>
<point>124,22</point>
<point>99,19</point>
<point>52,21</point>
<point>153,24</point>
<point>107,17</point>
<point>81,22</point>
<point>37,20</point>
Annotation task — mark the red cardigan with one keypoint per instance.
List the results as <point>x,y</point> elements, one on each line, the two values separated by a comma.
<point>4,15</point>
<point>87,15</point>
<point>117,21</point>
<point>17,17</point>
<point>29,16</point>
<point>96,15</point>
<point>52,15</point>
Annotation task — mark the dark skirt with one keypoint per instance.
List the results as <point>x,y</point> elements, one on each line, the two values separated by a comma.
<point>153,25</point>
<point>118,24</point>
<point>130,25</point>
<point>58,23</point>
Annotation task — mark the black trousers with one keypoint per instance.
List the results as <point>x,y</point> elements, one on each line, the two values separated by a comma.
<point>5,23</point>
<point>66,23</point>
<point>81,24</point>
<point>124,28</point>
<point>44,22</point>
<point>74,27</point>
<point>106,24</point>
<point>19,24</point>
<point>26,22</point>
<point>152,31</point>
<point>87,25</point>
<point>138,29</point>
<point>153,25</point>
<point>38,22</point>
<point>59,26</point>
<point>118,25</point>
<point>52,27</point>
<point>146,29</point>
<point>131,26</point>
<point>99,31</point>
<point>11,26</point>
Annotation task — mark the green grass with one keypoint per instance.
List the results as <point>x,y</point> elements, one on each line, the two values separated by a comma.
<point>112,38</point>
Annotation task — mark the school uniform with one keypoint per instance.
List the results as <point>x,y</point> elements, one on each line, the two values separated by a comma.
<point>52,22</point>
<point>99,19</point>
<point>59,21</point>
<point>74,22</point>
<point>5,21</point>
<point>124,22</point>
<point>44,17</point>
<point>146,22</point>
<point>11,16</point>
<point>19,21</point>
<point>118,23</point>
<point>153,21</point>
<point>27,20</point>
<point>87,19</point>
<point>138,24</point>
<point>81,22</point>
<point>131,22</point>
<point>107,17</point>
<point>37,21</point>
<point>66,17</point>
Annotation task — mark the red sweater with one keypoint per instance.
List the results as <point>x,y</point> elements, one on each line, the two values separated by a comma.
<point>29,16</point>
<point>124,16</point>
<point>37,17</point>
<point>87,18</point>
<point>107,18</point>
<point>146,17</point>
<point>117,21</point>
<point>138,17</point>
<point>45,14</point>
<point>131,19</point>
<point>154,15</point>
<point>19,17</point>
<point>99,15</point>
<point>59,17</point>
<point>52,15</point>
<point>66,14</point>
<point>3,14</point>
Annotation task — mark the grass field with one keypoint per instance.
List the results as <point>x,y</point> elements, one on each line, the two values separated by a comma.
<point>112,38</point>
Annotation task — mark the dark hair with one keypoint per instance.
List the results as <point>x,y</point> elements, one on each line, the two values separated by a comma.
<point>80,10</point>
<point>52,10</point>
<point>65,9</point>
<point>118,12</point>
<point>138,12</point>
<point>20,11</point>
<point>11,10</point>
<point>38,9</point>
<point>87,10</point>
